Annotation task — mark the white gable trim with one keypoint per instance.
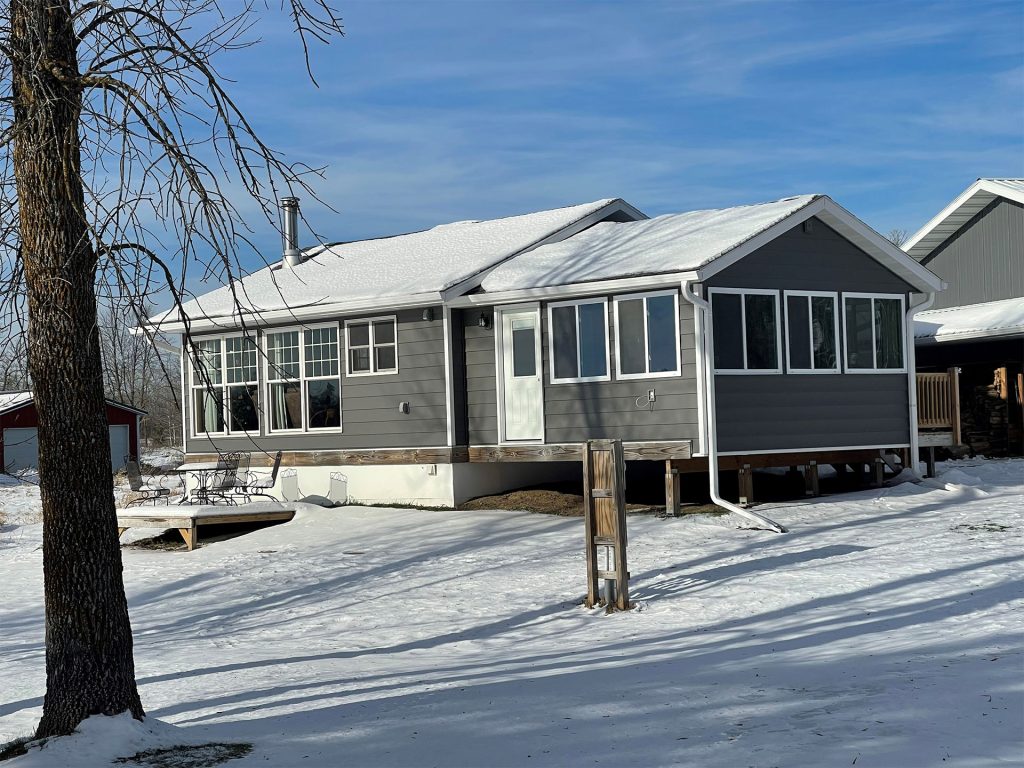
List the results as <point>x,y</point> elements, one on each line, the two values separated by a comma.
<point>847,225</point>
<point>987,189</point>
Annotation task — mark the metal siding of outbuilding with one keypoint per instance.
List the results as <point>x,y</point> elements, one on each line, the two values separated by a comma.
<point>804,411</point>
<point>984,260</point>
<point>369,404</point>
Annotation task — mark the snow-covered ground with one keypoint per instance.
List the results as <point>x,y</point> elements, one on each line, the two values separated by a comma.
<point>884,630</point>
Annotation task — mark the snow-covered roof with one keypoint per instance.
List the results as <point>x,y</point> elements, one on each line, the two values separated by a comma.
<point>11,400</point>
<point>419,265</point>
<point>701,242</point>
<point>972,321</point>
<point>960,211</point>
<point>675,242</point>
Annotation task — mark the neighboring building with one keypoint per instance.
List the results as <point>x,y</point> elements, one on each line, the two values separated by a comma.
<point>19,446</point>
<point>473,357</point>
<point>976,245</point>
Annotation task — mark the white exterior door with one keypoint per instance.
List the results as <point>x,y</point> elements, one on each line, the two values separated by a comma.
<point>119,447</point>
<point>522,403</point>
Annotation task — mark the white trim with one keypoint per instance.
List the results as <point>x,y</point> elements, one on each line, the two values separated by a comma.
<point>302,380</point>
<point>701,362</point>
<point>747,371</point>
<point>815,450</point>
<point>449,394</point>
<point>619,375</point>
<point>186,405</point>
<point>874,347</point>
<point>498,326</point>
<point>369,321</point>
<point>603,301</point>
<point>575,290</point>
<point>834,295</point>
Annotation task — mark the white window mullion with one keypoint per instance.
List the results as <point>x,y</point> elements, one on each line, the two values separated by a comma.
<point>743,329</point>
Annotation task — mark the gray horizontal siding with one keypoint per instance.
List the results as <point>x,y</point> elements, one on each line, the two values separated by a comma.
<point>608,409</point>
<point>370,415</point>
<point>480,381</point>
<point>799,411</point>
<point>984,259</point>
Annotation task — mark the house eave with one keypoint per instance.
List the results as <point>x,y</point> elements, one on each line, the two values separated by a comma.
<point>938,230</point>
<point>573,290</point>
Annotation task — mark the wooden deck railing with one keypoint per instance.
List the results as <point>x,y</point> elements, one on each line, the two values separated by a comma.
<point>938,401</point>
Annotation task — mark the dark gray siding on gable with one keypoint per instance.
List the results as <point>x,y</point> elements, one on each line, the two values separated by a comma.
<point>802,411</point>
<point>370,414</point>
<point>984,260</point>
<point>481,382</point>
<point>608,409</point>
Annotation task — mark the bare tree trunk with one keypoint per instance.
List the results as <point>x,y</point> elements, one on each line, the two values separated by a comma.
<point>89,664</point>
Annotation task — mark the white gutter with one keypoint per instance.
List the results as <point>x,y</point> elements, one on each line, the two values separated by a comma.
<point>574,290</point>
<point>706,389</point>
<point>911,355</point>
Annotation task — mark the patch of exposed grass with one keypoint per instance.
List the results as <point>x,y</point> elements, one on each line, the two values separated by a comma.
<point>986,527</point>
<point>187,755</point>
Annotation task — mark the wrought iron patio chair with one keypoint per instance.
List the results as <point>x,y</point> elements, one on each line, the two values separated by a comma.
<point>139,485</point>
<point>260,483</point>
<point>219,484</point>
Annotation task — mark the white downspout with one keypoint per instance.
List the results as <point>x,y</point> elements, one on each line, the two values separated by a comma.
<point>706,386</point>
<point>912,378</point>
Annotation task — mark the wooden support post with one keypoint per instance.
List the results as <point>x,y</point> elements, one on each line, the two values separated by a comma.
<point>954,402</point>
<point>811,479</point>
<point>589,527</point>
<point>746,483</point>
<point>930,471</point>
<point>672,489</point>
<point>604,498</point>
<point>189,535</point>
<point>621,571</point>
<point>877,472</point>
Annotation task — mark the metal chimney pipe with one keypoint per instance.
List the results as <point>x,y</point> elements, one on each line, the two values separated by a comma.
<point>290,230</point>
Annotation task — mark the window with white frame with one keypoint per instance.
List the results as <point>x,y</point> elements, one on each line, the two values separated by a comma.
<point>579,340</point>
<point>225,386</point>
<point>372,346</point>
<point>812,332</point>
<point>873,325</point>
<point>303,379</point>
<point>747,332</point>
<point>647,335</point>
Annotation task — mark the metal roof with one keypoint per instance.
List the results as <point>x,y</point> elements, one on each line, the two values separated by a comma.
<point>964,208</point>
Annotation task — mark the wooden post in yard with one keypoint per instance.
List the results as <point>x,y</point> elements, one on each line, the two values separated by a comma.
<point>877,471</point>
<point>672,489</point>
<point>746,484</point>
<point>604,511</point>
<point>811,479</point>
<point>954,403</point>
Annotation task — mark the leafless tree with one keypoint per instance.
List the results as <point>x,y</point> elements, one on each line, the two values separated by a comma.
<point>121,150</point>
<point>898,237</point>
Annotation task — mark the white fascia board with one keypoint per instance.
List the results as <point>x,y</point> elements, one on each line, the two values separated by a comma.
<point>981,334</point>
<point>615,206</point>
<point>301,314</point>
<point>575,290</point>
<point>847,225</point>
<point>980,186</point>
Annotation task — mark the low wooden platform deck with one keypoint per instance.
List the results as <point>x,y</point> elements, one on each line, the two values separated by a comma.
<point>188,518</point>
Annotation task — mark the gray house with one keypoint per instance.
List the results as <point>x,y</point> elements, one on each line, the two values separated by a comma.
<point>976,245</point>
<point>440,365</point>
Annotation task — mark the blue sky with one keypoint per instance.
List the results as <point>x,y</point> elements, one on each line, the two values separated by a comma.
<point>430,111</point>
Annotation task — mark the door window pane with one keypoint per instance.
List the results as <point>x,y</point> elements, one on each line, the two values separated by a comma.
<point>888,333</point>
<point>630,331</point>
<point>798,332</point>
<point>524,354</point>
<point>859,333</point>
<point>564,341</point>
<point>661,334</point>
<point>592,334</point>
<point>727,316</point>
<point>823,332</point>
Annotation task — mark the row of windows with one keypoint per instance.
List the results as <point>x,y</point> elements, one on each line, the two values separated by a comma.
<point>748,331</point>
<point>301,373</point>
<point>647,333</point>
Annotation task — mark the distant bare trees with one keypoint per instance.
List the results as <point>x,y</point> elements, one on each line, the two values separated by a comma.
<point>898,237</point>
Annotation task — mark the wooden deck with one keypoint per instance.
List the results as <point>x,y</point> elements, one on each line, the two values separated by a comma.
<point>187,519</point>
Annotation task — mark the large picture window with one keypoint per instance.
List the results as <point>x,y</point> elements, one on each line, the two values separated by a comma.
<point>647,334</point>
<point>874,334</point>
<point>579,340</point>
<point>225,386</point>
<point>372,346</point>
<point>304,379</point>
<point>747,333</point>
<point>812,332</point>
